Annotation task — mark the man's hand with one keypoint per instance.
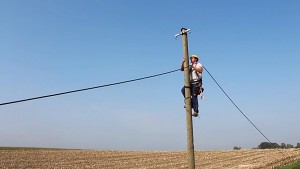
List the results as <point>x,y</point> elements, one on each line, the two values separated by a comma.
<point>193,65</point>
<point>182,64</point>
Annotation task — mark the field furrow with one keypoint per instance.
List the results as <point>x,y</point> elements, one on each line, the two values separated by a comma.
<point>75,159</point>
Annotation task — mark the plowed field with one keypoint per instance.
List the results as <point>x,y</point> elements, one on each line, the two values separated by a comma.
<point>75,159</point>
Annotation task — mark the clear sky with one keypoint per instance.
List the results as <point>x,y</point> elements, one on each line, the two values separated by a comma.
<point>251,47</point>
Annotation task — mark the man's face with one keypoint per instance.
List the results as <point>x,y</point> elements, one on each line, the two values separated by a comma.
<point>193,60</point>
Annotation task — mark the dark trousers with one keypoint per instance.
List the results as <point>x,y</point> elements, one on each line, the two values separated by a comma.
<point>194,88</point>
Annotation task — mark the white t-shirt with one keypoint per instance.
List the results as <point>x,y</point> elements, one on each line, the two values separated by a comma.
<point>194,75</point>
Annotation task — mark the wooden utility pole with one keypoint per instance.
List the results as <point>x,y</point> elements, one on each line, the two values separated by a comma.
<point>188,105</point>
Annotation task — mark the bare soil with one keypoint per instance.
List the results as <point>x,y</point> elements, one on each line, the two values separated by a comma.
<point>75,159</point>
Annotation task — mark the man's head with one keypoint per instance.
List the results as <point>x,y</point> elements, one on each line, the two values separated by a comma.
<point>194,58</point>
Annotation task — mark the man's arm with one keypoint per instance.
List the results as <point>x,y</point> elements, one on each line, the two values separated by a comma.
<point>182,64</point>
<point>198,67</point>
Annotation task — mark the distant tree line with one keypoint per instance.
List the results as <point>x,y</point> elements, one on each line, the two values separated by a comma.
<point>267,145</point>
<point>237,148</point>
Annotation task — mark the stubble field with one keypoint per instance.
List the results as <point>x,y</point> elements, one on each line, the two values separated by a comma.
<point>75,159</point>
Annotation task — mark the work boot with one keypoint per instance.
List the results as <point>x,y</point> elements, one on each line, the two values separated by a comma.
<point>195,114</point>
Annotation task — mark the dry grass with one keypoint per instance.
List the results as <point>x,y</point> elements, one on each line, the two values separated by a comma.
<point>75,159</point>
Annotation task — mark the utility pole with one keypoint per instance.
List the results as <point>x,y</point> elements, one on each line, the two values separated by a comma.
<point>188,105</point>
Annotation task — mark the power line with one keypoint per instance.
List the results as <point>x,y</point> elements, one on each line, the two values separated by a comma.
<point>90,88</point>
<point>238,108</point>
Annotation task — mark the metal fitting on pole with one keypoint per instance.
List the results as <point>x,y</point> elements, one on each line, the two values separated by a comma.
<point>183,31</point>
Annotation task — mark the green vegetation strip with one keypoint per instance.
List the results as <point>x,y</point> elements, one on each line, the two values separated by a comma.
<point>295,165</point>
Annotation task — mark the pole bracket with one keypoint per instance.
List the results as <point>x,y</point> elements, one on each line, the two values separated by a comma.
<point>183,31</point>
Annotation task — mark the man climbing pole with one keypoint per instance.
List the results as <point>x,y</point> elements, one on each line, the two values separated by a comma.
<point>195,72</point>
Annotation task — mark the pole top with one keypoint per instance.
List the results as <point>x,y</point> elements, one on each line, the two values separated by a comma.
<point>183,31</point>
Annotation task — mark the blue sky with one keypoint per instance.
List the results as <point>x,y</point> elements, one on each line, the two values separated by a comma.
<point>250,47</point>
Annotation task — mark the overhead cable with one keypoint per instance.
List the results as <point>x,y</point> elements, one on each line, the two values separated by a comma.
<point>90,88</point>
<point>238,107</point>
